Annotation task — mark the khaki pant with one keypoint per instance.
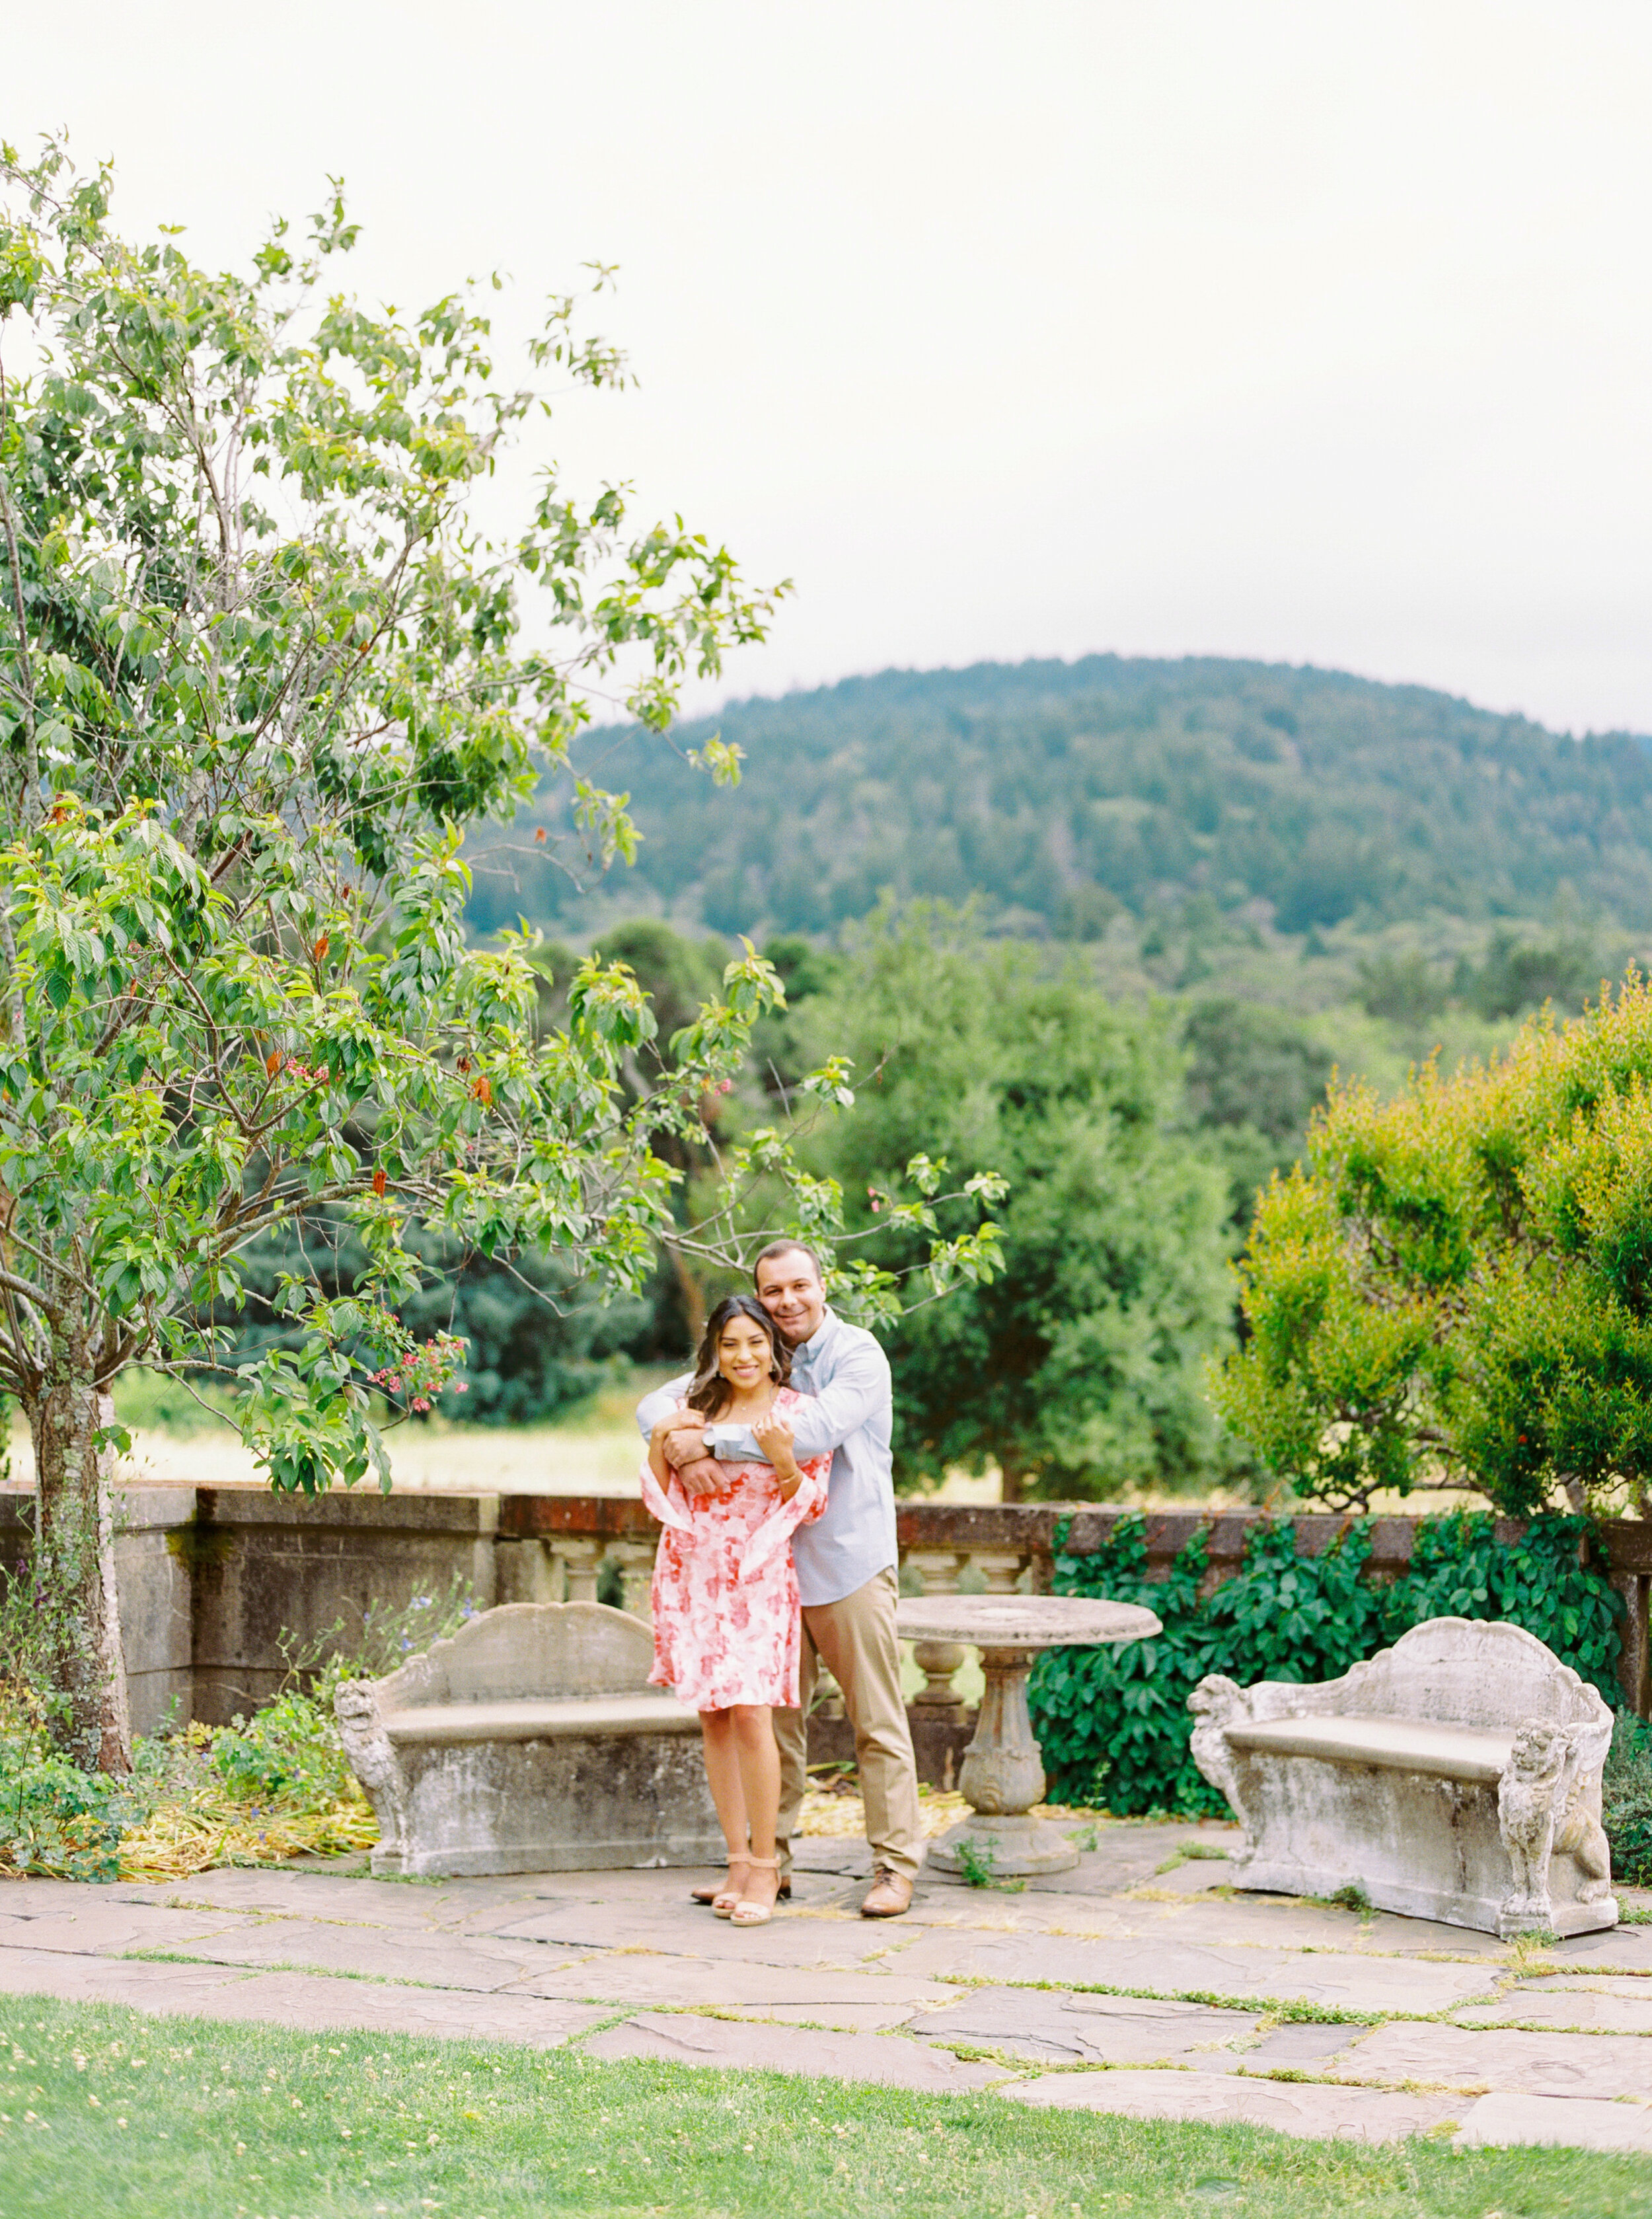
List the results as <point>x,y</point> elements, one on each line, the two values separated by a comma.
<point>857,1638</point>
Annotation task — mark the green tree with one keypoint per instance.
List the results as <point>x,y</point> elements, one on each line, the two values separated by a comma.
<point>1458,1284</point>
<point>258,668</point>
<point>1253,1080</point>
<point>1077,1368</point>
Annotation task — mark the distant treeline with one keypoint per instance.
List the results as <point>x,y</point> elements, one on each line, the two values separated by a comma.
<point>1059,792</point>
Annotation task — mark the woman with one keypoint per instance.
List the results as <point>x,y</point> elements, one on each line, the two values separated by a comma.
<point>727,1625</point>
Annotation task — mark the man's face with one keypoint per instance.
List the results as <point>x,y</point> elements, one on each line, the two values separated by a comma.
<point>788,1287</point>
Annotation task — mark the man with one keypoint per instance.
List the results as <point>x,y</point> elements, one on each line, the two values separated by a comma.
<point>846,1560</point>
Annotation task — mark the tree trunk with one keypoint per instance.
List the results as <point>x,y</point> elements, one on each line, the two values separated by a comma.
<point>1010,1480</point>
<point>75,1562</point>
<point>694,1300</point>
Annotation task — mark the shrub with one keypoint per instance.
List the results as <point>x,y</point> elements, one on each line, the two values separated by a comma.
<point>53,1816</point>
<point>1627,1800</point>
<point>258,1789</point>
<point>1457,1282</point>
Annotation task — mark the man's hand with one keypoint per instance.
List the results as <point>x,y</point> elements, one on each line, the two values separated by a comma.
<point>683,1439</point>
<point>703,1476</point>
<point>680,1438</point>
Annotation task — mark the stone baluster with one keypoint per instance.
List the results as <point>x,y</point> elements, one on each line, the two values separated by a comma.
<point>636,1562</point>
<point>527,1572</point>
<point>580,1560</point>
<point>999,1568</point>
<point>937,1660</point>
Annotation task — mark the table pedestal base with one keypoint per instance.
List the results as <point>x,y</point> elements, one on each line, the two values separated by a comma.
<point>1002,1777</point>
<point>1014,1847</point>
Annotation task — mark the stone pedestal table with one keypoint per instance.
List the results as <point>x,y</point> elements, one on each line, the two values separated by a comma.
<point>1002,1774</point>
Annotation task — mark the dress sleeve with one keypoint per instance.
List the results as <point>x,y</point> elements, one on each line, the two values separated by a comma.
<point>817,1473</point>
<point>666,1503</point>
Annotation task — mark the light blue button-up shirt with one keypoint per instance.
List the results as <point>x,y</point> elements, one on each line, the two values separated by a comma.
<point>846,1372</point>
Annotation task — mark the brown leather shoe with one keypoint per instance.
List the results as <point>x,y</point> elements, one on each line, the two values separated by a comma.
<point>891,1894</point>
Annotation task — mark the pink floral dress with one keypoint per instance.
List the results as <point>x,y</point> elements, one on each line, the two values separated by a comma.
<point>727,1622</point>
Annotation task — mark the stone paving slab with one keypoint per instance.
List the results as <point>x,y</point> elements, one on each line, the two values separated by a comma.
<point>1197,1877</point>
<point>1123,1856</point>
<point>1309,2108</point>
<point>653,1891</point>
<point>1303,2042</point>
<point>1504,2121</point>
<point>844,1859</point>
<point>1055,2029</point>
<point>1240,1920</point>
<point>1584,1984</point>
<point>846,2018</point>
<point>992,1911</point>
<point>691,1983</point>
<point>787,1939</point>
<point>311,2002</point>
<point>1592,2065</point>
<point>1567,2006</point>
<point>105,1929</point>
<point>741,2045</point>
<point>1620,1949</point>
<point>147,1986</point>
<point>315,1895</point>
<point>1374,1983</point>
<point>1385,1931</point>
<point>1289,1922</point>
<point>1338,1982</point>
<point>480,1963</point>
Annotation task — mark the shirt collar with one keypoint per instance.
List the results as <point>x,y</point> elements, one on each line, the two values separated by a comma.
<point>806,1351</point>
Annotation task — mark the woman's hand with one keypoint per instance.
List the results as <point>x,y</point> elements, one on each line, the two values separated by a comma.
<point>772,1434</point>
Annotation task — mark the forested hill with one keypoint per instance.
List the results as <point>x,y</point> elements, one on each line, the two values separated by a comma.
<point>1056,789</point>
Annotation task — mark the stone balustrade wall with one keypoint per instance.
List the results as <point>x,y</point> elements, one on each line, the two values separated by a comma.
<point>211,1578</point>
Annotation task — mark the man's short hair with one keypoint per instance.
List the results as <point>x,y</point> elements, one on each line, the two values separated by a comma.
<point>786,1248</point>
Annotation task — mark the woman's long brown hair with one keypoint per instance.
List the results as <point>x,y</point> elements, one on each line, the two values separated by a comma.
<point>710,1393</point>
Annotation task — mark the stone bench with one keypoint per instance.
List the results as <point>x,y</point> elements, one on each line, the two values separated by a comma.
<point>530,1742</point>
<point>1454,1776</point>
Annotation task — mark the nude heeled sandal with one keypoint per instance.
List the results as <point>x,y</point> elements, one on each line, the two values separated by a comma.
<point>728,1895</point>
<point>721,1894</point>
<point>746,1913</point>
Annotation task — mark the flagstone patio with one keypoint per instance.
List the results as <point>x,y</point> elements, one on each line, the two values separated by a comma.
<point>1118,1987</point>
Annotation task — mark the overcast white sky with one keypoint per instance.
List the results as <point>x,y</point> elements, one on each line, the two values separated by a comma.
<point>1315,334</point>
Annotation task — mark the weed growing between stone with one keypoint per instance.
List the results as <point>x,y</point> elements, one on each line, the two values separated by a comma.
<point>104,2110</point>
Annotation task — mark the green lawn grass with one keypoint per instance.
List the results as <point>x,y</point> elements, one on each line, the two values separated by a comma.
<point>105,2113</point>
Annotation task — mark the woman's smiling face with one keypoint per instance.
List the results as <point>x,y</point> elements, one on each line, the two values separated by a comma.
<point>743,1355</point>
